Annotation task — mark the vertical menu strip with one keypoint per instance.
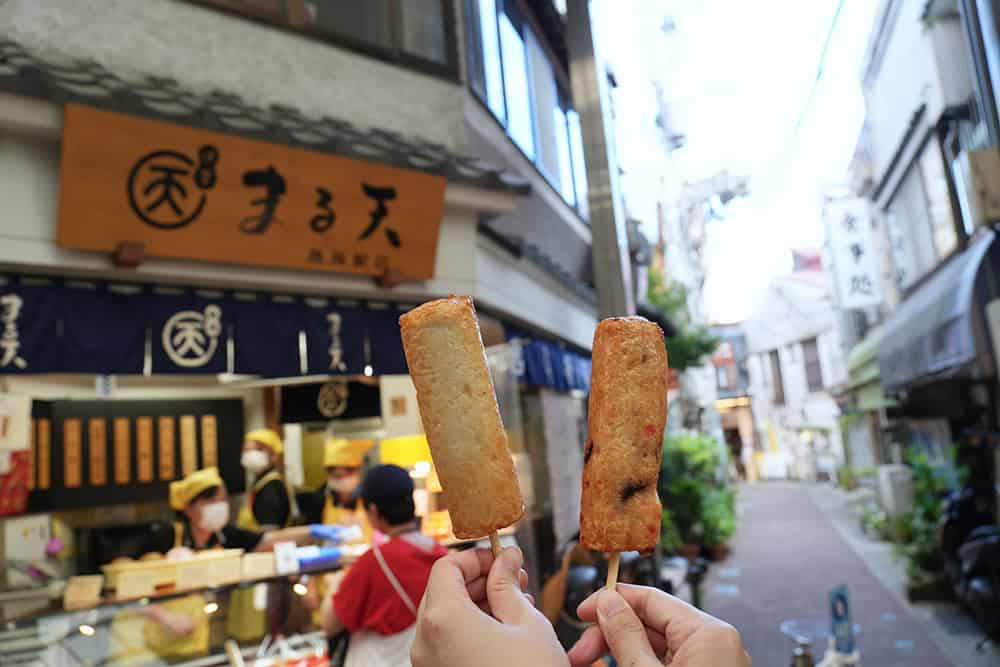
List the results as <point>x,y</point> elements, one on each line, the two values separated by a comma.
<point>97,450</point>
<point>189,444</point>
<point>32,453</point>
<point>72,446</point>
<point>209,441</point>
<point>144,449</point>
<point>123,450</point>
<point>166,442</point>
<point>44,454</point>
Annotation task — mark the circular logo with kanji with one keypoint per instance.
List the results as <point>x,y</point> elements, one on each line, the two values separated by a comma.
<point>332,399</point>
<point>190,337</point>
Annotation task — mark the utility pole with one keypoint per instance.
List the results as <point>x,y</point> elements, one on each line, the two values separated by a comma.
<point>612,270</point>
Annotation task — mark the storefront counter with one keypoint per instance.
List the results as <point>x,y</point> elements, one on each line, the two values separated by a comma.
<point>170,628</point>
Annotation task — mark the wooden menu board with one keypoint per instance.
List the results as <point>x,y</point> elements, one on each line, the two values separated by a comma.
<point>123,450</point>
<point>72,453</point>
<point>44,459</point>
<point>189,444</point>
<point>32,453</point>
<point>111,452</point>
<point>97,450</point>
<point>165,430</point>
<point>209,441</point>
<point>144,448</point>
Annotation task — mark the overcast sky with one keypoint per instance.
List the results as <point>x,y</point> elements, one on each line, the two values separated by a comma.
<point>739,77</point>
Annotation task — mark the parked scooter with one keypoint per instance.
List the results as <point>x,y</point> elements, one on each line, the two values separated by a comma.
<point>970,547</point>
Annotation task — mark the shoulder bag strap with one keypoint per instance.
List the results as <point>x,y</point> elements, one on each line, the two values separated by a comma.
<point>393,580</point>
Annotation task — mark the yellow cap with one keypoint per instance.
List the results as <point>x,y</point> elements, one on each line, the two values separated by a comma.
<point>268,438</point>
<point>405,451</point>
<point>342,452</point>
<point>183,491</point>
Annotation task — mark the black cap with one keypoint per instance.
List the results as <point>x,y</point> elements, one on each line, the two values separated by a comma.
<point>385,485</point>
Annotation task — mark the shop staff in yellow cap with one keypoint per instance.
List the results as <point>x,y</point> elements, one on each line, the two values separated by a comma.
<point>342,460</point>
<point>269,503</point>
<point>179,628</point>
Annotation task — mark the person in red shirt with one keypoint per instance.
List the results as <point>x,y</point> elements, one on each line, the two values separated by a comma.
<point>377,599</point>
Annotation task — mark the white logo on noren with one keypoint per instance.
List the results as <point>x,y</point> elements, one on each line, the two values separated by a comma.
<point>10,340</point>
<point>190,338</point>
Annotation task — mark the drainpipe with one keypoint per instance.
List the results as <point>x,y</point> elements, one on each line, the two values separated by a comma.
<point>612,268</point>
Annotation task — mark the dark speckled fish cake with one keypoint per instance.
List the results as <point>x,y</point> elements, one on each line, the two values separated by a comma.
<point>620,509</point>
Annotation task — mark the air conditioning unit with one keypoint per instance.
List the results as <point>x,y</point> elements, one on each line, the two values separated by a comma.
<point>895,488</point>
<point>977,176</point>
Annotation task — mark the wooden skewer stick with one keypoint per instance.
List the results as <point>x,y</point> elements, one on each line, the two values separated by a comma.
<point>613,563</point>
<point>495,544</point>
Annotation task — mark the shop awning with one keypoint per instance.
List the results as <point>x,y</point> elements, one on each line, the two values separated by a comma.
<point>931,335</point>
<point>549,364</point>
<point>864,380</point>
<point>52,325</point>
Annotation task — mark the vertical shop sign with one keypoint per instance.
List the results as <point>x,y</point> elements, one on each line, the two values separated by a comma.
<point>850,230</point>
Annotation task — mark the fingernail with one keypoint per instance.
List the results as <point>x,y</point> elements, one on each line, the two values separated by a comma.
<point>609,602</point>
<point>512,559</point>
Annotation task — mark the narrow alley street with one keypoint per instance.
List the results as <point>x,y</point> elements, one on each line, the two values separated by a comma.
<point>792,547</point>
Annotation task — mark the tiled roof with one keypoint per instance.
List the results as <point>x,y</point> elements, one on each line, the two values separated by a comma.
<point>23,72</point>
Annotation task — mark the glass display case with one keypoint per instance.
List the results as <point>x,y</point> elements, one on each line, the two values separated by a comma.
<point>190,627</point>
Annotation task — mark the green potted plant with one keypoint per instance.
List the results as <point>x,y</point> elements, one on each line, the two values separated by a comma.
<point>688,486</point>
<point>917,530</point>
<point>719,521</point>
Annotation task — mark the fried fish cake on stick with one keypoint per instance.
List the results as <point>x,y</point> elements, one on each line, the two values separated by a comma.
<point>620,509</point>
<point>458,407</point>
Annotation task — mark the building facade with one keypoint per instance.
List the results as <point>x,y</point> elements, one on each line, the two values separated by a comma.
<point>453,150</point>
<point>923,369</point>
<point>795,358</point>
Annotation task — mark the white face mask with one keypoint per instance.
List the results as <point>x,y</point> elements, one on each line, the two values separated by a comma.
<point>213,516</point>
<point>255,461</point>
<point>344,484</point>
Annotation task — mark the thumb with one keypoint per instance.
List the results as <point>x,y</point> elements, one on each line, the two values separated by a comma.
<point>503,587</point>
<point>623,631</point>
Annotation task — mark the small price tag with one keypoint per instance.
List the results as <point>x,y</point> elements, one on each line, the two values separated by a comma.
<point>286,560</point>
<point>134,585</point>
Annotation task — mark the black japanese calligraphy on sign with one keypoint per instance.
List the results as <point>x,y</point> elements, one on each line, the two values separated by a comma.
<point>275,187</point>
<point>861,284</point>
<point>857,252</point>
<point>322,222</point>
<point>850,223</point>
<point>163,186</point>
<point>379,213</point>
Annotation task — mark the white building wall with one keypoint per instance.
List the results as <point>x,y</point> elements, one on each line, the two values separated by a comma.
<point>205,49</point>
<point>801,437</point>
<point>911,64</point>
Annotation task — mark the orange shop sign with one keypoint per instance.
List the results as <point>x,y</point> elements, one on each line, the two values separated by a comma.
<point>192,194</point>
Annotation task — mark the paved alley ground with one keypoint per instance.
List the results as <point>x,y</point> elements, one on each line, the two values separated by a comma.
<point>795,543</point>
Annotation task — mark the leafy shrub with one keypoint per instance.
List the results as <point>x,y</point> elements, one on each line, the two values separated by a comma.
<point>698,508</point>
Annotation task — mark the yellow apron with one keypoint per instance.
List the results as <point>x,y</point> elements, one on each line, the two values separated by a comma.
<point>343,516</point>
<point>244,622</point>
<point>137,639</point>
